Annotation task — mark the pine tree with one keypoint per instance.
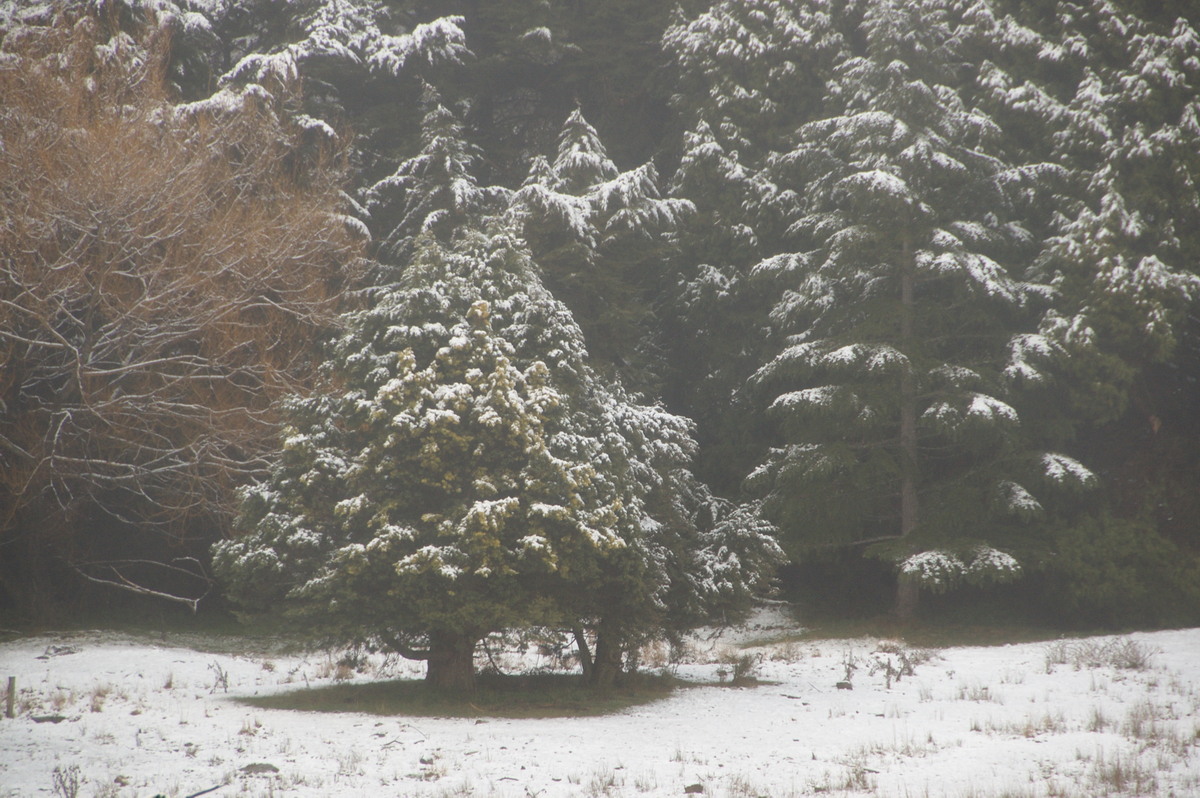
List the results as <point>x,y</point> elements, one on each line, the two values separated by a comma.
<point>1125,126</point>
<point>537,60</point>
<point>751,70</point>
<point>896,386</point>
<point>710,316</point>
<point>434,192</point>
<point>689,557</point>
<point>600,235</point>
<point>1110,96</point>
<point>746,75</point>
<point>261,39</point>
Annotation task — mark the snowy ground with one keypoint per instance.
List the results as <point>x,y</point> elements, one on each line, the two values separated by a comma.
<point>106,715</point>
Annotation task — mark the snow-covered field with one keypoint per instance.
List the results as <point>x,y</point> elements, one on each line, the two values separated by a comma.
<point>100,714</point>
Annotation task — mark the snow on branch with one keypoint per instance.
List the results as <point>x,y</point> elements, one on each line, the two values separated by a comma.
<point>440,41</point>
<point>940,570</point>
<point>1065,470</point>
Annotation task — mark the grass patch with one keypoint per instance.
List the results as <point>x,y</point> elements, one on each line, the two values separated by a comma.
<point>925,634</point>
<point>526,696</point>
<point>1117,653</point>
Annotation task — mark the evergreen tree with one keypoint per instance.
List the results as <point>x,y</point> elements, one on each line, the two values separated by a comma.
<point>600,236</point>
<point>421,502</point>
<point>465,471</point>
<point>746,75</point>
<point>897,384</point>
<point>1111,97</point>
<point>752,70</point>
<point>691,557</point>
<point>434,192</point>
<point>711,318</point>
<point>1125,253</point>
<point>538,60</point>
<point>253,40</point>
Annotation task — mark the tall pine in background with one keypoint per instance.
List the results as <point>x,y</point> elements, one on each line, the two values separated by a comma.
<point>1111,97</point>
<point>965,195</point>
<point>893,387</point>
<point>746,74</point>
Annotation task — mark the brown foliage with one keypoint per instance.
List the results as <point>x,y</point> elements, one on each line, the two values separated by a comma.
<point>166,275</point>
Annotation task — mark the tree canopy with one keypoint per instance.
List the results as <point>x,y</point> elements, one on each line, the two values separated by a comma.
<point>576,316</point>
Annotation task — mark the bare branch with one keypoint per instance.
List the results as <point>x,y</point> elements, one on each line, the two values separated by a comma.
<point>122,583</point>
<point>157,298</point>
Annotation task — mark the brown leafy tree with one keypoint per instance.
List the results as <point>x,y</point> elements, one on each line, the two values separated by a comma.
<point>167,271</point>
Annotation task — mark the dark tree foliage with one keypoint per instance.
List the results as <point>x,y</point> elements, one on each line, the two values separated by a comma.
<point>907,263</point>
<point>536,61</point>
<point>1063,110</point>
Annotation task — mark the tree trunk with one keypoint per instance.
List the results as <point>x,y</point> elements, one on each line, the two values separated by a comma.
<point>907,590</point>
<point>607,664</point>
<point>451,663</point>
<point>585,654</point>
<point>908,593</point>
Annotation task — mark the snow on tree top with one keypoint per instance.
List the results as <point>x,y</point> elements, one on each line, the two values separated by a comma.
<point>993,563</point>
<point>260,67</point>
<point>540,34</point>
<point>940,570</point>
<point>934,569</point>
<point>1021,348</point>
<point>440,41</point>
<point>225,101</point>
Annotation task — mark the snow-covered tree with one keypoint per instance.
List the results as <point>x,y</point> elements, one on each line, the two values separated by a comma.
<point>1112,100</point>
<point>464,471</point>
<point>1110,96</point>
<point>690,557</point>
<point>537,60</point>
<point>336,43</point>
<point>262,39</point>
<point>751,70</point>
<point>599,235</point>
<point>711,318</point>
<point>1029,169</point>
<point>746,74</point>
<point>434,192</point>
<point>418,502</point>
<point>904,319</point>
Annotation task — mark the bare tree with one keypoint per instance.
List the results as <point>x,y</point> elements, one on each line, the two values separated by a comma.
<point>167,274</point>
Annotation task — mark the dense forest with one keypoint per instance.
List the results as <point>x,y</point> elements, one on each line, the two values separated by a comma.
<point>432,319</point>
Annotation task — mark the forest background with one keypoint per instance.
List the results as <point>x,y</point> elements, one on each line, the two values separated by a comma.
<point>922,275</point>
